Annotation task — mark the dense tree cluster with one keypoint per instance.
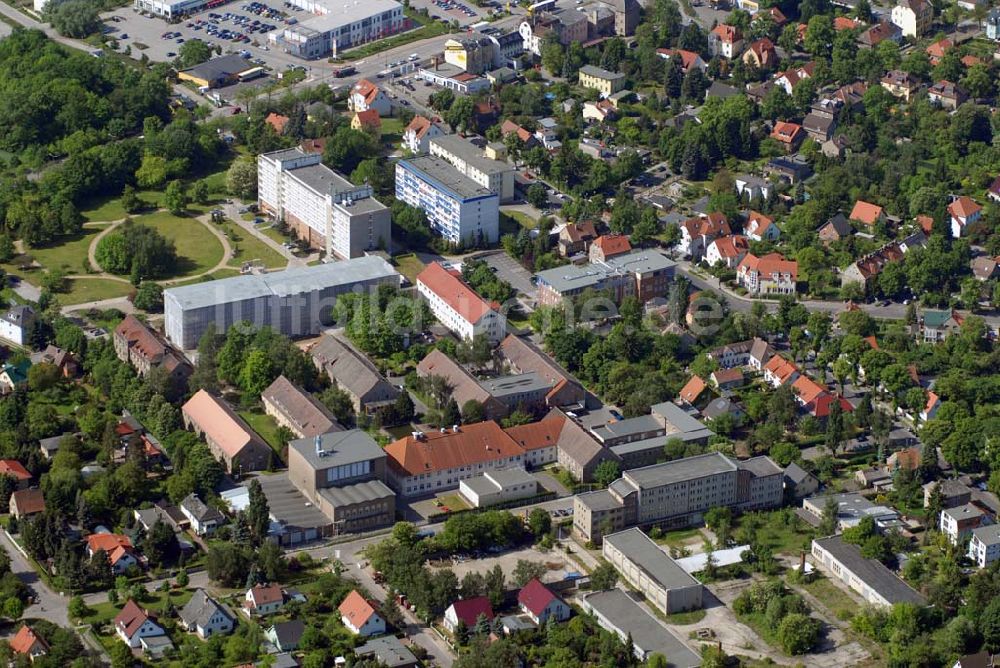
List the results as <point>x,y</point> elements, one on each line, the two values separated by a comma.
<point>137,250</point>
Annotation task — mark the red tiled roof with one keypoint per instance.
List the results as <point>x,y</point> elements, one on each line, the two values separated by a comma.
<point>219,422</point>
<point>688,58</point>
<point>131,618</point>
<point>367,90</point>
<point>356,609</point>
<point>582,231</point>
<point>781,368</point>
<point>777,16</point>
<point>872,341</point>
<point>926,223</point>
<point>468,610</point>
<point>613,244</point>
<point>932,400</point>
<point>757,223</point>
<point>509,126</point>
<point>939,48</point>
<point>535,597</point>
<point>970,60</point>
<point>963,207</point>
<point>844,23</point>
<point>26,639</point>
<point>14,468</point>
<point>732,246</point>
<point>807,389</point>
<point>770,264</point>
<point>436,451</point>
<point>693,389</point>
<point>369,117</point>
<point>724,376</point>
<point>820,407</point>
<point>726,33</point>
<point>866,213</point>
<point>712,225</point>
<point>541,434</point>
<point>264,594</point>
<point>140,336</point>
<point>763,48</point>
<point>107,542</point>
<point>277,121</point>
<point>456,293</point>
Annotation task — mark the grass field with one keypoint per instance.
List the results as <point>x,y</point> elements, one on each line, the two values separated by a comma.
<point>266,427</point>
<point>83,290</point>
<point>110,208</point>
<point>392,131</point>
<point>781,530</point>
<point>103,613</point>
<point>247,247</point>
<point>409,266</point>
<point>198,250</point>
<point>832,596</point>
<point>453,502</point>
<point>523,219</point>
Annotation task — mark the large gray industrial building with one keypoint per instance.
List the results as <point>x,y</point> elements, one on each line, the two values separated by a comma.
<point>294,302</point>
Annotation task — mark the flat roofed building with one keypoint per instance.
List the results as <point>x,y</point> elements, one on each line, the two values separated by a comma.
<point>868,577</point>
<point>293,302</point>
<point>501,486</point>
<point>494,175</point>
<point>618,613</point>
<point>984,545</point>
<point>297,410</point>
<point>458,307</point>
<point>851,508</point>
<point>520,390</point>
<point>457,208</point>
<point>231,440</point>
<point>644,274</point>
<point>652,571</point>
<point>339,25</point>
<point>322,207</point>
<point>424,463</point>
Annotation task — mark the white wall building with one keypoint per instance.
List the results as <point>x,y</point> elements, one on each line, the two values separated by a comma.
<point>495,487</point>
<point>984,545</point>
<point>468,159</point>
<point>15,323</point>
<point>339,25</point>
<point>322,207</point>
<point>458,307</point>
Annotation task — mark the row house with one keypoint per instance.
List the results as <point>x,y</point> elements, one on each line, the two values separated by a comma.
<point>698,232</point>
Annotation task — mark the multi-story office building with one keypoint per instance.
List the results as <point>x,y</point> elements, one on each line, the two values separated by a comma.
<point>342,474</point>
<point>457,208</point>
<point>339,25</point>
<point>494,175</point>
<point>677,493</point>
<point>642,563</point>
<point>644,274</point>
<point>458,307</point>
<point>323,208</point>
<point>293,302</point>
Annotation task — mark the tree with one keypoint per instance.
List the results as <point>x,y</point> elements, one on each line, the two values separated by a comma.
<point>74,18</point>
<point>182,578</point>
<point>241,179</point>
<point>539,522</point>
<point>149,297</point>
<point>829,522</point>
<point>797,633</point>
<point>175,198</point>
<point>450,414</point>
<point>459,116</point>
<point>160,546</point>
<point>537,196</point>
<point>603,577</point>
<point>258,512</point>
<point>130,200</point>
<point>525,571</point>
<point>256,373</point>
<point>193,52</point>
<point>834,428</point>
<point>200,192</point>
<point>607,472</point>
<point>13,608</point>
<point>720,520</point>
<point>496,585</point>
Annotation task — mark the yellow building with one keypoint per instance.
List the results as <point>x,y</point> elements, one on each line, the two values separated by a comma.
<point>607,83</point>
<point>367,121</point>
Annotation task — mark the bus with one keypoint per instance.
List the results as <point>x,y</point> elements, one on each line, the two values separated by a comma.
<point>252,73</point>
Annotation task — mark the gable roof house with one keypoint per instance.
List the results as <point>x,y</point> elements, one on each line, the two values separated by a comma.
<point>285,636</point>
<point>133,623</point>
<point>608,246</point>
<point>761,54</point>
<point>467,611</point>
<point>878,33</point>
<point>203,615</point>
<point>946,95</point>
<point>540,604</point>
<point>297,410</point>
<point>464,387</point>
<point>867,214</point>
<point>788,135</point>
<point>937,325</point>
<point>760,227</point>
<point>791,77</point>
<point>725,40</point>
<point>871,265</point>
<point>360,616</point>
<point>263,599</point>
<point>204,518</point>
<point>15,470</point>
<point>458,306</point>
<point>366,95</point>
<point>389,651</point>
<point>28,643</point>
<point>835,229</point>
<point>728,250</point>
<point>57,357</point>
<point>354,373</point>
<point>769,274</point>
<point>576,238</point>
<point>698,232</point>
<point>937,50</point>
<point>229,437</point>
<point>26,502</point>
<point>964,211</point>
<point>137,344</point>
<point>121,553</point>
<point>689,59</point>
<point>695,392</point>
<point>15,323</point>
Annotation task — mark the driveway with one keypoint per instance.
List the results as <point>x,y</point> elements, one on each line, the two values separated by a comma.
<point>511,271</point>
<point>49,605</point>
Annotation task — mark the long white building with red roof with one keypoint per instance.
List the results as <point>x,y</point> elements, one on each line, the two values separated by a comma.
<point>458,307</point>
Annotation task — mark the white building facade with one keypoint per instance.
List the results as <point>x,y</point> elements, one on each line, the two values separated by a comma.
<point>458,307</point>
<point>339,25</point>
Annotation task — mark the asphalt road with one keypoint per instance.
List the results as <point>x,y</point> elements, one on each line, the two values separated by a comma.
<point>49,605</point>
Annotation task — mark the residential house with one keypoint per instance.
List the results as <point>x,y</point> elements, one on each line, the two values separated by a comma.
<point>938,325</point>
<point>367,121</point>
<point>937,50</point>
<point>914,17</point>
<point>869,266</point>
<point>204,616</point>
<point>64,360</point>
<point>964,211</point>
<point>16,322</point>
<point>841,23</point>
<point>930,408</point>
<point>134,623</point>
<point>420,131</point>
<point>900,84</point>
<point>204,518</point>
<point>389,651</point>
<point>818,127</point>
<point>835,229</point>
<point>688,59</point>
<point>276,121</point>
<point>725,41</point>
<point>957,523</point>
<point>836,147</point>
<point>727,379</point>
<point>527,138</point>
<point>770,274</point>
<point>867,213</point>
<point>946,95</point>
<point>788,135</point>
<point>695,392</point>
<point>761,54</point>
<point>231,440</point>
<point>728,251</point>
<point>751,187</point>
<point>752,353</point>
<point>121,554</point>
<point>984,545</point>
<point>878,33</point>
<point>467,612</point>
<point>297,410</point>
<point>14,375</point>
<point>137,344</point>
<point>25,503</point>
<point>799,483</point>
<point>360,617</point>
<point>366,95</point>
<point>16,470</point>
<point>599,111</point>
<point>261,600</point>
<point>791,77</point>
<point>605,82</point>
<point>953,493</point>
<point>539,603</point>
<point>285,636</point>
<point>779,371</point>
<point>985,268</point>
<point>791,169</point>
<point>698,232</point>
<point>761,228</point>
<point>28,643</point>
<point>608,246</point>
<point>458,307</point>
<point>575,238</point>
<point>354,373</point>
<point>50,446</point>
<point>724,406</point>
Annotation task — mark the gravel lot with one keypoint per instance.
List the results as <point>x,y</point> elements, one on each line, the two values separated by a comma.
<point>559,565</point>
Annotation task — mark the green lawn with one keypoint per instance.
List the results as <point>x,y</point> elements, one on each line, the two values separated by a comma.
<point>453,502</point>
<point>832,596</point>
<point>685,618</point>
<point>523,219</point>
<point>679,538</point>
<point>69,254</point>
<point>781,530</point>
<point>266,427</point>
<point>83,290</point>
<point>247,247</point>
<point>198,249</point>
<point>103,613</point>
<point>110,208</point>
<point>409,266</point>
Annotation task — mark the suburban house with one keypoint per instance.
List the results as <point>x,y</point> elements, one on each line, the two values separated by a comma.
<point>64,360</point>
<point>769,274</point>
<point>946,95</point>
<point>203,518</point>
<point>26,502</point>
<point>725,40</point>
<point>540,604</point>
<point>779,371</point>
<point>937,325</point>
<point>121,554</point>
<point>799,483</point>
<point>366,95</point>
<point>360,617</point>
<point>420,131</point>
<point>728,250</point>
<point>760,227</point>
<point>788,135</point>
<point>14,375</point>
<point>467,612</point>
<point>608,246</point>
<point>389,651</point>
<point>458,307</point>
<point>28,643</point>
<point>914,17</point>
<point>285,636</point>
<point>958,522</point>
<point>15,470</point>
<point>137,344</point>
<point>696,392</point>
<point>689,59</point>
<point>354,373</point>
<point>878,33</point>
<point>984,545</point>
<point>698,232</point>
<point>204,616</point>
<point>953,493</point>
<point>791,77</point>
<point>231,440</point>
<point>834,230</point>
<point>930,408</point>
<point>576,238</point>
<point>133,624</point>
<point>964,211</point>
<point>263,600</point>
<point>867,214</point>
<point>297,410</point>
<point>15,323</point>
<point>367,121</point>
<point>900,84</point>
<point>761,54</point>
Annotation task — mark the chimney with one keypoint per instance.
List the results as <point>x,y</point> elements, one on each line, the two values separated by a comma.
<point>454,428</point>
<point>802,562</point>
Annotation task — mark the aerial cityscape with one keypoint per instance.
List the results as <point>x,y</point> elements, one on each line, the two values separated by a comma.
<point>500,334</point>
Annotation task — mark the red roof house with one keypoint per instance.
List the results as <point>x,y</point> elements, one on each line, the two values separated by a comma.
<point>28,643</point>
<point>538,602</point>
<point>467,611</point>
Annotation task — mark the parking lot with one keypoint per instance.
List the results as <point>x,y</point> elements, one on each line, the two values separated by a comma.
<point>558,565</point>
<point>464,12</point>
<point>232,27</point>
